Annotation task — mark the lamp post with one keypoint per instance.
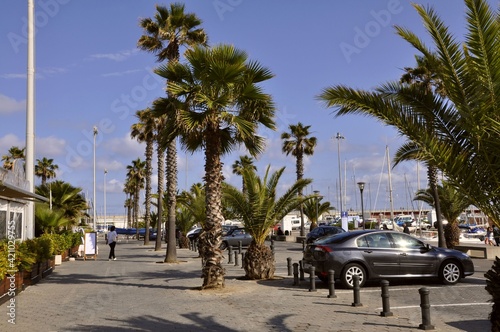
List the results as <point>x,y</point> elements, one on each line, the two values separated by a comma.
<point>93,202</point>
<point>105,226</point>
<point>339,137</point>
<point>361,186</point>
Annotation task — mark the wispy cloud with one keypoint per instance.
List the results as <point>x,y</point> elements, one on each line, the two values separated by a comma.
<point>13,76</point>
<point>121,73</point>
<point>119,56</point>
<point>10,105</point>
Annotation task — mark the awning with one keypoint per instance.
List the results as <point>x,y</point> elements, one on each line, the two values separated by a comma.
<point>10,191</point>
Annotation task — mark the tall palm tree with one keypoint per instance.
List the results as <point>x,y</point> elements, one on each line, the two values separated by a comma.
<point>240,165</point>
<point>13,154</point>
<point>46,169</point>
<point>129,201</point>
<point>136,175</point>
<point>163,36</point>
<point>220,106</point>
<point>299,144</point>
<point>466,127</point>
<point>260,208</point>
<point>144,131</point>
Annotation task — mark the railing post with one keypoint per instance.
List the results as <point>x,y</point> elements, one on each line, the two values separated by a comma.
<point>355,289</point>
<point>386,308</point>
<point>426,310</point>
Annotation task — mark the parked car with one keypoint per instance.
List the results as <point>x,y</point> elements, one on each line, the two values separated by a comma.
<point>193,234</point>
<point>381,254</point>
<point>227,228</point>
<point>321,231</point>
<point>234,236</point>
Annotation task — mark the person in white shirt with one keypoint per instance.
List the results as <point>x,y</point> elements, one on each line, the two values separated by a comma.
<point>112,237</point>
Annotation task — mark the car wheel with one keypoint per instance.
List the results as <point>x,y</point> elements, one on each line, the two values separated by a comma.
<point>450,273</point>
<point>351,270</point>
<point>223,246</point>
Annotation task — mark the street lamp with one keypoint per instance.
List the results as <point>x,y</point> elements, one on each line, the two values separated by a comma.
<point>361,186</point>
<point>93,203</point>
<point>339,137</point>
<point>105,226</point>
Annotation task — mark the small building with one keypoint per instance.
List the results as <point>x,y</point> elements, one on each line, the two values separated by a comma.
<point>15,202</point>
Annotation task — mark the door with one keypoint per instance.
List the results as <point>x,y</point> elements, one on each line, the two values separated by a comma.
<point>379,254</point>
<point>413,259</point>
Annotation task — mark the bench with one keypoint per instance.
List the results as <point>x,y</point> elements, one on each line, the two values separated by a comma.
<point>480,251</point>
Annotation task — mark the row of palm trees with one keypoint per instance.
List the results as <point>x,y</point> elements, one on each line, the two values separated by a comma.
<point>45,168</point>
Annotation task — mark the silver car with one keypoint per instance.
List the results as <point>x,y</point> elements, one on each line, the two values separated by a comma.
<point>234,236</point>
<point>381,254</point>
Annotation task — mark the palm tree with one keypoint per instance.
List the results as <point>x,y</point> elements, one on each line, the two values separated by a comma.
<point>171,29</point>
<point>260,208</point>
<point>136,175</point>
<point>465,122</point>
<point>242,163</point>
<point>192,208</point>
<point>453,203</point>
<point>313,209</point>
<point>129,202</point>
<point>46,169</point>
<point>66,198</point>
<point>144,131</point>
<point>49,220</point>
<point>220,106</point>
<point>299,145</point>
<point>13,154</point>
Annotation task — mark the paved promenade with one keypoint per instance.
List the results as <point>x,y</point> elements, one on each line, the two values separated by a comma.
<point>137,292</point>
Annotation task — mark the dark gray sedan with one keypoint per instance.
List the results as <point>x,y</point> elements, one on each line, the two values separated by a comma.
<point>381,254</point>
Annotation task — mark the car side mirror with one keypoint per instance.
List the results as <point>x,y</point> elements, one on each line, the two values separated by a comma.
<point>425,248</point>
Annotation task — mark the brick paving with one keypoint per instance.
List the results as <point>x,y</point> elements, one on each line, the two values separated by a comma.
<point>137,292</point>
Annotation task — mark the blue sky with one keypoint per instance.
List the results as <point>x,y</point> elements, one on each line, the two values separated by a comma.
<point>90,73</point>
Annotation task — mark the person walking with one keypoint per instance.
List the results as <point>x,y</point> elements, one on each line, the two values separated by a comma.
<point>489,236</point>
<point>406,229</point>
<point>111,239</point>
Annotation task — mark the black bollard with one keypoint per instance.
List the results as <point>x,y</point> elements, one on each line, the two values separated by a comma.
<point>272,246</point>
<point>303,245</point>
<point>355,289</point>
<point>331,284</point>
<point>386,308</point>
<point>289,265</point>
<point>236,259</point>
<point>195,245</point>
<point>295,274</point>
<point>426,310</point>
<point>301,270</point>
<point>240,247</point>
<point>312,279</point>
<point>230,254</point>
<point>242,259</point>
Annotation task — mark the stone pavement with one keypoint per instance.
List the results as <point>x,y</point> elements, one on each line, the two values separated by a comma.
<point>138,292</point>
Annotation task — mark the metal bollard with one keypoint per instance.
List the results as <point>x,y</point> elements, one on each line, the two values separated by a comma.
<point>303,245</point>
<point>236,259</point>
<point>242,259</point>
<point>301,270</point>
<point>195,245</point>
<point>355,289</point>
<point>386,308</point>
<point>289,265</point>
<point>295,274</point>
<point>331,284</point>
<point>240,247</point>
<point>272,246</point>
<point>312,279</point>
<point>426,310</point>
<point>230,254</point>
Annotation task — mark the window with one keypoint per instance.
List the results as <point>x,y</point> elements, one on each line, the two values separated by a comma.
<point>378,240</point>
<point>406,242</point>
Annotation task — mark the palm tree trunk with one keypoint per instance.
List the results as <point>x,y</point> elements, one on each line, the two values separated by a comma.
<point>210,239</point>
<point>432,177</point>
<point>136,210</point>
<point>161,180</point>
<point>149,173</point>
<point>171,201</point>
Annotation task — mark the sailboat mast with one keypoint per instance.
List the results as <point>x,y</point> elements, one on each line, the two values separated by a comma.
<point>390,181</point>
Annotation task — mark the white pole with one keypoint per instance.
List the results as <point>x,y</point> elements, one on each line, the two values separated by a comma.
<point>30,120</point>
<point>105,172</point>
<point>344,220</point>
<point>94,203</point>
